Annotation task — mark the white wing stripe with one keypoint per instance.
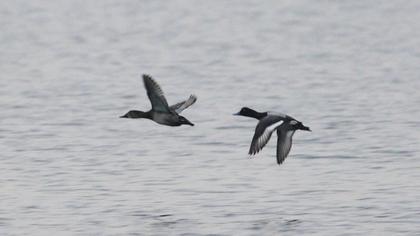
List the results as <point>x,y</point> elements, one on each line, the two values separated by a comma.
<point>263,139</point>
<point>272,127</point>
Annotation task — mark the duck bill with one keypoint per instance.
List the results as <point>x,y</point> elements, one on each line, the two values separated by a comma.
<point>306,128</point>
<point>236,114</point>
<point>187,122</point>
<point>124,116</point>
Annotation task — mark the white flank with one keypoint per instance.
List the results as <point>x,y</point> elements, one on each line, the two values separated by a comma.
<point>293,122</point>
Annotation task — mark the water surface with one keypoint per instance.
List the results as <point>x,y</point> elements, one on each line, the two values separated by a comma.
<point>349,70</point>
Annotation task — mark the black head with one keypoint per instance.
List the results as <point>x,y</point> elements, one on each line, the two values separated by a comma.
<point>183,121</point>
<point>300,126</point>
<point>245,111</point>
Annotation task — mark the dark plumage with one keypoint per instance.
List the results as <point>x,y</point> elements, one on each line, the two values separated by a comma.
<point>161,112</point>
<point>268,123</point>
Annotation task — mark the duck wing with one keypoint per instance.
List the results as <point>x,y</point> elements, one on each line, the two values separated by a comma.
<point>180,106</point>
<point>284,144</point>
<point>155,94</point>
<point>263,132</point>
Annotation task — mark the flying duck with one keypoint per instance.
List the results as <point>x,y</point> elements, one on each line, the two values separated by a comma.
<point>269,122</point>
<point>161,112</point>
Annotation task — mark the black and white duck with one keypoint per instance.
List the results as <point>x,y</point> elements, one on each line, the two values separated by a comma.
<point>268,123</point>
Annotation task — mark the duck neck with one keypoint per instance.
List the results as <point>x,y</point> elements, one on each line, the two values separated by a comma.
<point>146,115</point>
<point>140,114</point>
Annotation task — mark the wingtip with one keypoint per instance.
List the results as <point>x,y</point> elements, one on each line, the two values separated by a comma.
<point>252,152</point>
<point>146,76</point>
<point>192,99</point>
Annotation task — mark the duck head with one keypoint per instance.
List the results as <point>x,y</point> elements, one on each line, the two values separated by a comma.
<point>245,111</point>
<point>300,126</point>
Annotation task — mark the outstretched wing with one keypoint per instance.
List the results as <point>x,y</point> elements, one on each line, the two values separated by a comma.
<point>263,132</point>
<point>180,106</point>
<point>155,94</point>
<point>284,144</point>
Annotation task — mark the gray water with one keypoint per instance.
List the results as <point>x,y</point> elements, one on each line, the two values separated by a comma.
<point>348,69</point>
